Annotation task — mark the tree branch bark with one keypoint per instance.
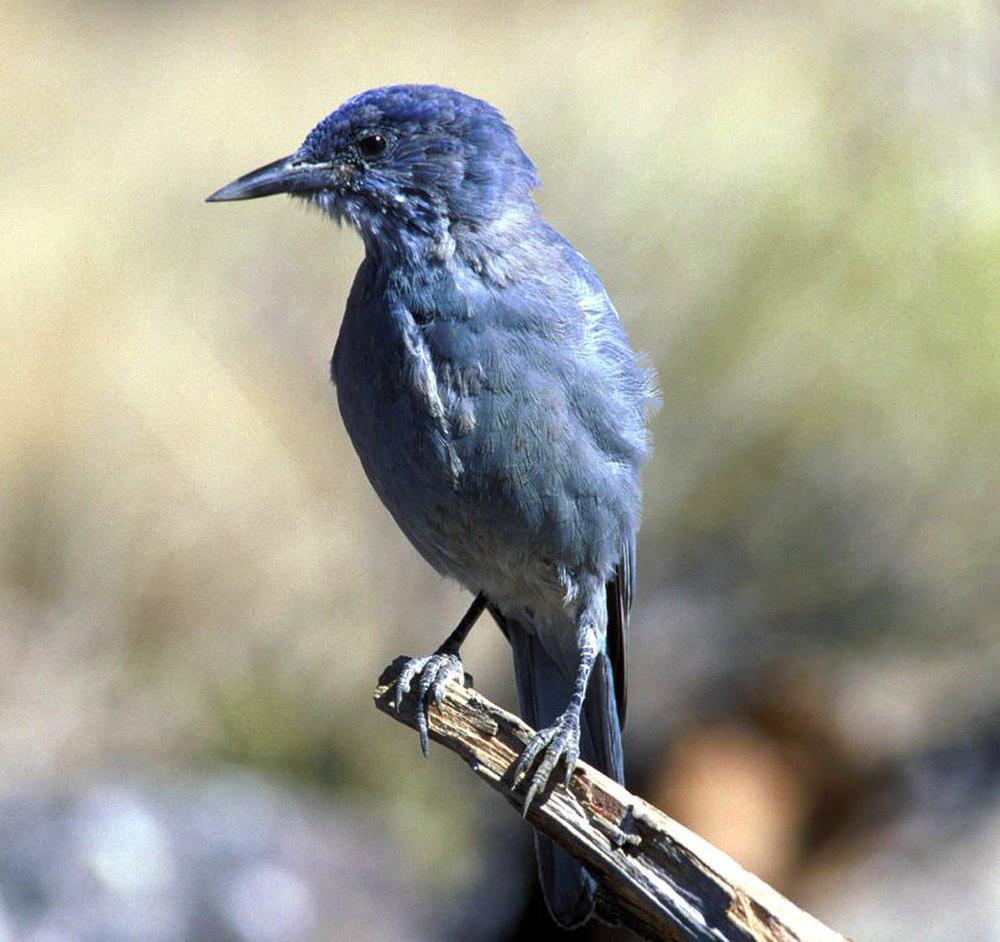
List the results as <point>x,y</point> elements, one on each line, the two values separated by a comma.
<point>653,874</point>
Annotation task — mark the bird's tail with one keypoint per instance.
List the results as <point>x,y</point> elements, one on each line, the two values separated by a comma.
<point>544,690</point>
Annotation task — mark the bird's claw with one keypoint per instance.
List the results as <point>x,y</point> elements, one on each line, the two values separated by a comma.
<point>436,671</point>
<point>560,741</point>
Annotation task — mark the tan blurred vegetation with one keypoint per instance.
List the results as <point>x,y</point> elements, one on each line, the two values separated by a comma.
<point>797,212</point>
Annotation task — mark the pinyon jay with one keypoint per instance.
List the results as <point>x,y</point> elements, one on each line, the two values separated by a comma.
<point>497,407</point>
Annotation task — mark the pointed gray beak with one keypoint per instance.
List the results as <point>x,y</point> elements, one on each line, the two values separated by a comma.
<point>292,174</point>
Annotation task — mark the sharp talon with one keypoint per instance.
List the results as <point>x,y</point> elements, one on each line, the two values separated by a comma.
<point>555,744</point>
<point>521,766</point>
<point>527,758</point>
<point>422,729</point>
<point>528,799</point>
<point>433,674</point>
<point>403,683</point>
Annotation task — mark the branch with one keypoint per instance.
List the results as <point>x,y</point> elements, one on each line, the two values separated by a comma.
<point>653,874</point>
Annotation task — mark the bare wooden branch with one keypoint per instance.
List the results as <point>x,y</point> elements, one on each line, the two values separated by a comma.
<point>654,875</point>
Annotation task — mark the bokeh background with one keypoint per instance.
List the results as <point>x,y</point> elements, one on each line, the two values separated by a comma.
<point>796,208</point>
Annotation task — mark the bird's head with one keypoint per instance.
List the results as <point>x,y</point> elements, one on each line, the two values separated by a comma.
<point>411,160</point>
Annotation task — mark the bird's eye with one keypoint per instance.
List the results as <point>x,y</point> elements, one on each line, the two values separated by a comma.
<point>372,145</point>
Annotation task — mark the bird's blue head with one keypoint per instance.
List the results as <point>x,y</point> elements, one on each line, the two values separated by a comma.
<point>412,159</point>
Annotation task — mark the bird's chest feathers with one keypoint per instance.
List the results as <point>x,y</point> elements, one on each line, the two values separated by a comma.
<point>407,381</point>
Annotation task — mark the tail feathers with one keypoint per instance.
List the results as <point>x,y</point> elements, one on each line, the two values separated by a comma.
<point>567,887</point>
<point>544,690</point>
<point>600,724</point>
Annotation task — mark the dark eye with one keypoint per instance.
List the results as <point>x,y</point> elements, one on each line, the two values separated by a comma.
<point>372,145</point>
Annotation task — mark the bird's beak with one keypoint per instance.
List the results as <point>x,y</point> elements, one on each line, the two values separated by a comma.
<point>292,174</point>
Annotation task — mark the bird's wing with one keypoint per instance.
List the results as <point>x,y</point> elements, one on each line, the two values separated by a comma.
<point>619,589</point>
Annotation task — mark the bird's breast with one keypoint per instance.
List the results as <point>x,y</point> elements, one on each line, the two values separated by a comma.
<point>408,413</point>
<point>470,432</point>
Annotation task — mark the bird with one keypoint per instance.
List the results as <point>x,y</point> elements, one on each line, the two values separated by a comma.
<point>498,410</point>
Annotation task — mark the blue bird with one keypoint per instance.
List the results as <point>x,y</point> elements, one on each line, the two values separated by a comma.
<point>498,410</point>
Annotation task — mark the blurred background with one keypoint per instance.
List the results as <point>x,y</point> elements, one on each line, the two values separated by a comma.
<point>796,208</point>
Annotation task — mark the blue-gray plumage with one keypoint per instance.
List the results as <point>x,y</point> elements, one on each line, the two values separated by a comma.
<point>496,405</point>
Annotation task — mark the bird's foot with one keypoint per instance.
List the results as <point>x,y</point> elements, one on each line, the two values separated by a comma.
<point>560,741</point>
<point>435,671</point>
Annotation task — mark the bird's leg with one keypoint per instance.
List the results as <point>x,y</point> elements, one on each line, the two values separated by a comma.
<point>437,670</point>
<point>561,740</point>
